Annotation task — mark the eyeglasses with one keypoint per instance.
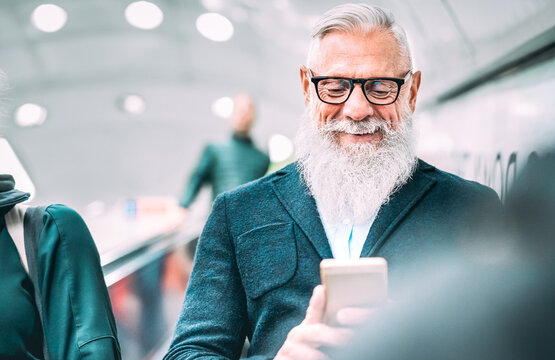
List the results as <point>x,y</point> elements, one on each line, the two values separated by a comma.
<point>378,91</point>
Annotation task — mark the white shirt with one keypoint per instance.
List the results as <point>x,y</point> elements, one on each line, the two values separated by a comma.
<point>346,239</point>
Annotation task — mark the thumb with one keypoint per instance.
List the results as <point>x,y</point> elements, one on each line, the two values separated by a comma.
<point>316,306</point>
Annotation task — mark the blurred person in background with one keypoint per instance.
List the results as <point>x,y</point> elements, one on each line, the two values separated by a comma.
<point>357,190</point>
<point>226,166</point>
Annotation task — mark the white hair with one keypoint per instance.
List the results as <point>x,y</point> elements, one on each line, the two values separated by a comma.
<point>363,19</point>
<point>354,181</point>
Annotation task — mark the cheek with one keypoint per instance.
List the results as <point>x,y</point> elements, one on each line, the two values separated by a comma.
<point>389,113</point>
<point>323,113</point>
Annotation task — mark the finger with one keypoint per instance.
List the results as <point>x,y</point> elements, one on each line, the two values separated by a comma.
<point>354,316</point>
<point>317,335</point>
<point>301,352</point>
<point>316,306</point>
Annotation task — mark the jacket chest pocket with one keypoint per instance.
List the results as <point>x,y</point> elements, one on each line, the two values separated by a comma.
<point>266,258</point>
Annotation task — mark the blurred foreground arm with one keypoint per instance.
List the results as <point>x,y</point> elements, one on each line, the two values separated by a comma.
<point>78,319</point>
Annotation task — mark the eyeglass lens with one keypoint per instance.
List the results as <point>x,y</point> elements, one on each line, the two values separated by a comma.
<point>338,90</point>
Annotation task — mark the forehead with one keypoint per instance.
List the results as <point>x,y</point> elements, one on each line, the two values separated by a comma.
<point>355,54</point>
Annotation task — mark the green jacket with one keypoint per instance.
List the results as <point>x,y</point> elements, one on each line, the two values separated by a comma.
<point>226,166</point>
<point>78,320</point>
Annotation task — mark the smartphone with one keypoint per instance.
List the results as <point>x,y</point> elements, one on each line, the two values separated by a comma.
<point>353,283</point>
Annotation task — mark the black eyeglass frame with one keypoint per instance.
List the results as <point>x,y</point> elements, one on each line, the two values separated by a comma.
<point>361,81</point>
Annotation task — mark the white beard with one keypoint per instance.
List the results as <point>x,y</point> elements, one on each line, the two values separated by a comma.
<point>353,181</point>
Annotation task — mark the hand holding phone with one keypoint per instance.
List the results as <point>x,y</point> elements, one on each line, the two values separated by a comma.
<point>357,283</point>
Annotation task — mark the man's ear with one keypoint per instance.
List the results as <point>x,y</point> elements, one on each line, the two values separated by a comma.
<point>305,82</point>
<point>415,85</point>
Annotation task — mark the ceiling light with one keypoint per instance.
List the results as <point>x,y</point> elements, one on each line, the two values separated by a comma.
<point>49,18</point>
<point>144,15</point>
<point>30,115</point>
<point>134,104</point>
<point>215,27</point>
<point>223,107</point>
<point>280,148</point>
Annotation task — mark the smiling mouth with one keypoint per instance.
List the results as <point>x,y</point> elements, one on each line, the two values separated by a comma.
<point>360,138</point>
<point>362,133</point>
<point>377,130</point>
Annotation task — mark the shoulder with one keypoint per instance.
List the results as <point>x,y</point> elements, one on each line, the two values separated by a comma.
<point>64,216</point>
<point>262,185</point>
<point>62,212</point>
<point>259,196</point>
<point>262,155</point>
<point>209,149</point>
<point>257,150</point>
<point>256,203</point>
<point>452,185</point>
<point>64,225</point>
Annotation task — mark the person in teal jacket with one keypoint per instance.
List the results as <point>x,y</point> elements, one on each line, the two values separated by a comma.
<point>357,190</point>
<point>78,322</point>
<point>226,166</point>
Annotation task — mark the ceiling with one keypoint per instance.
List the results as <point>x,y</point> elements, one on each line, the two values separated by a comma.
<point>89,150</point>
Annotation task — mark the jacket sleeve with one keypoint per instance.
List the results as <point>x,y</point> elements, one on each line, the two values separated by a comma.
<point>78,320</point>
<point>214,320</point>
<point>201,175</point>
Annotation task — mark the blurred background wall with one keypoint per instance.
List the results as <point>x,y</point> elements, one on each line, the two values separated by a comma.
<point>488,80</point>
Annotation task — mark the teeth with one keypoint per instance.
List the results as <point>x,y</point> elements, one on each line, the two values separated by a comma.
<point>362,133</point>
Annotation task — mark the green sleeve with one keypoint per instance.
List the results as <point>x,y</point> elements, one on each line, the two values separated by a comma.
<point>78,320</point>
<point>201,175</point>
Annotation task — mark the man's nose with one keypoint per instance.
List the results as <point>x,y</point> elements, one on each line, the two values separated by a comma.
<point>357,107</point>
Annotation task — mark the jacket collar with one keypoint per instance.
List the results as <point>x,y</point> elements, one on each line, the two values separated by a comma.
<point>397,208</point>
<point>9,196</point>
<point>296,198</point>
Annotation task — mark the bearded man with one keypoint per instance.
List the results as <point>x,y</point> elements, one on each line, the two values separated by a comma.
<point>357,190</point>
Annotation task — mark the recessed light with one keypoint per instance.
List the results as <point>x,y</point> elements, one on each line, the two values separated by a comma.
<point>49,18</point>
<point>30,115</point>
<point>223,107</point>
<point>280,148</point>
<point>144,15</point>
<point>215,27</point>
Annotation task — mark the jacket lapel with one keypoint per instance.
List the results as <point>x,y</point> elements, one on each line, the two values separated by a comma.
<point>398,207</point>
<point>295,197</point>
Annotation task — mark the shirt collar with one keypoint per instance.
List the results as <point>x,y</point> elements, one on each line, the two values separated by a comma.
<point>242,138</point>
